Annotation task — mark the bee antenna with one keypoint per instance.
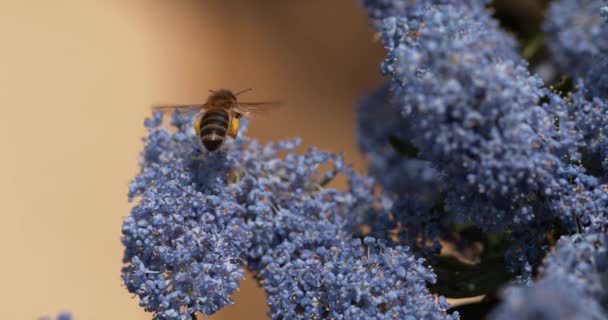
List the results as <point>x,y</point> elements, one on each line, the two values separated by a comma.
<point>243,91</point>
<point>212,91</point>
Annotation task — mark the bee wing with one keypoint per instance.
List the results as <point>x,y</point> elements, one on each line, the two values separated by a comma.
<point>186,108</point>
<point>250,109</point>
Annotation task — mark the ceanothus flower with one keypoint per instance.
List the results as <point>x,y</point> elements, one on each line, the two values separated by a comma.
<point>578,266</point>
<point>280,194</point>
<point>574,283</point>
<point>319,274</point>
<point>378,10</point>
<point>581,202</point>
<point>417,181</point>
<point>411,184</point>
<point>477,116</point>
<point>202,217</point>
<point>508,151</point>
<point>378,123</point>
<point>582,261</point>
<point>576,34</point>
<point>185,239</point>
<point>61,316</point>
<point>589,111</point>
<point>413,11</point>
<point>547,300</point>
<point>594,84</point>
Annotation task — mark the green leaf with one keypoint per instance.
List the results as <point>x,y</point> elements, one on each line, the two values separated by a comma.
<point>403,147</point>
<point>533,46</point>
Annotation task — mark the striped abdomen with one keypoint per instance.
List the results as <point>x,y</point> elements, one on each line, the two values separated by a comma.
<point>213,128</point>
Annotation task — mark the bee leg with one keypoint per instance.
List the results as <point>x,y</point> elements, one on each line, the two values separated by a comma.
<point>197,125</point>
<point>234,127</point>
<point>200,157</point>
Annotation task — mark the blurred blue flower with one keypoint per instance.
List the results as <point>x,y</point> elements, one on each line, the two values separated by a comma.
<point>574,283</point>
<point>576,34</point>
<point>547,300</point>
<point>581,260</point>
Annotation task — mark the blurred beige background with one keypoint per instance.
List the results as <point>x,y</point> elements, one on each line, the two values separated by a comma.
<point>76,80</point>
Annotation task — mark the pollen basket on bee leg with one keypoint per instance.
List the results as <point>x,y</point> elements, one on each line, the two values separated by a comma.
<point>234,127</point>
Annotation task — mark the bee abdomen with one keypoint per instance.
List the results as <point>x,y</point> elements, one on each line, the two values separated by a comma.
<point>213,128</point>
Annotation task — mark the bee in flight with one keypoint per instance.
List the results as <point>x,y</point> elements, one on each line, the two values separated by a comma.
<point>219,115</point>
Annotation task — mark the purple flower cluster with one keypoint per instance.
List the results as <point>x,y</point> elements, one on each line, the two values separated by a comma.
<point>202,217</point>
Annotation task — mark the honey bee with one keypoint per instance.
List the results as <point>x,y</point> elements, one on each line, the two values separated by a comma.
<point>219,116</point>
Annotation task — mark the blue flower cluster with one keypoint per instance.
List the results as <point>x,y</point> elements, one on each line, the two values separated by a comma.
<point>475,115</point>
<point>503,152</point>
<point>414,219</point>
<point>577,268</point>
<point>547,300</point>
<point>472,111</point>
<point>327,277</point>
<point>575,34</point>
<point>202,217</point>
<point>184,241</point>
